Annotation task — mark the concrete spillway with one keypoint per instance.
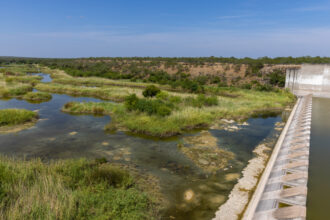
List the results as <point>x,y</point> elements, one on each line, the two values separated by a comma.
<point>282,190</point>
<point>309,79</point>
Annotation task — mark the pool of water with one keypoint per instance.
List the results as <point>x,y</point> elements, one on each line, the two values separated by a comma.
<point>319,163</point>
<point>60,135</point>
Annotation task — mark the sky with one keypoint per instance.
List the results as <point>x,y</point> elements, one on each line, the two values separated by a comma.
<point>171,28</point>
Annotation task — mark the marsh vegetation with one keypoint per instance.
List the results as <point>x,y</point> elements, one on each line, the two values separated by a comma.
<point>37,96</point>
<point>167,115</point>
<point>10,117</point>
<point>70,189</point>
<point>145,107</point>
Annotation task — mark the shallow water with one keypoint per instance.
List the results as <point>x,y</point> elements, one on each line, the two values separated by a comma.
<point>319,163</point>
<point>60,135</point>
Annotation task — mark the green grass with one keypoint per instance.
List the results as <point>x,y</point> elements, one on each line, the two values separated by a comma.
<point>37,96</point>
<point>14,90</point>
<point>23,79</point>
<point>98,81</point>
<point>70,189</point>
<point>106,93</point>
<point>10,117</point>
<point>186,116</point>
<point>20,69</point>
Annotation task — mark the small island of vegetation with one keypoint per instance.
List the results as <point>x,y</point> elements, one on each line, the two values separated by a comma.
<point>37,96</point>
<point>12,120</point>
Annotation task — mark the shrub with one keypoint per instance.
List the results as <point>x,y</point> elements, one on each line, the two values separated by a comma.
<point>277,78</point>
<point>151,91</point>
<point>149,106</point>
<point>131,102</point>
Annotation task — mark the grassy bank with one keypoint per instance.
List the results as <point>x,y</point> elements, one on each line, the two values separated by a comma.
<point>37,96</point>
<point>9,117</point>
<point>106,93</point>
<point>14,90</point>
<point>98,81</point>
<point>30,79</point>
<point>185,115</point>
<point>19,69</point>
<point>70,189</point>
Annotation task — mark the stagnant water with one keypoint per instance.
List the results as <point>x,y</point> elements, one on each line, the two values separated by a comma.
<point>319,161</point>
<point>52,138</point>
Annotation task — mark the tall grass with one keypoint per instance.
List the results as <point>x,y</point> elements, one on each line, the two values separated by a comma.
<point>69,189</point>
<point>23,79</point>
<point>106,93</point>
<point>16,116</point>
<point>14,90</point>
<point>187,115</point>
<point>37,96</point>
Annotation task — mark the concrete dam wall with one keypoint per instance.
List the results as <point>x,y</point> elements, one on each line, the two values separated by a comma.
<point>309,79</point>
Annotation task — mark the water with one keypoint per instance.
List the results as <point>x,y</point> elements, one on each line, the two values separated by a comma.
<point>45,77</point>
<point>60,135</point>
<point>319,163</point>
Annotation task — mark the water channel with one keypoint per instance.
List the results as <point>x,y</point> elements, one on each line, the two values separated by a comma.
<point>319,162</point>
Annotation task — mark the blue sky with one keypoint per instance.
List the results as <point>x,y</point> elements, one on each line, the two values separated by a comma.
<point>253,28</point>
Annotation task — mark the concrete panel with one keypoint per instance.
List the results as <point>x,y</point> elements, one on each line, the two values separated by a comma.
<point>309,79</point>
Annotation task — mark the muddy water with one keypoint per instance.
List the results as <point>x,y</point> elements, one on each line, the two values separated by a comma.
<point>192,193</point>
<point>319,163</point>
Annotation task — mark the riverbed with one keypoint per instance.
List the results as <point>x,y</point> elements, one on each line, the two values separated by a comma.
<point>191,192</point>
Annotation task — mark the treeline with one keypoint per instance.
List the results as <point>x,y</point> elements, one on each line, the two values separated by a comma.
<point>175,60</point>
<point>152,69</point>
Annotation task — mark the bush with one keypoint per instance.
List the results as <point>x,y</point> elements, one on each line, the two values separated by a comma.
<point>151,91</point>
<point>277,78</point>
<point>131,102</point>
<point>149,106</point>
